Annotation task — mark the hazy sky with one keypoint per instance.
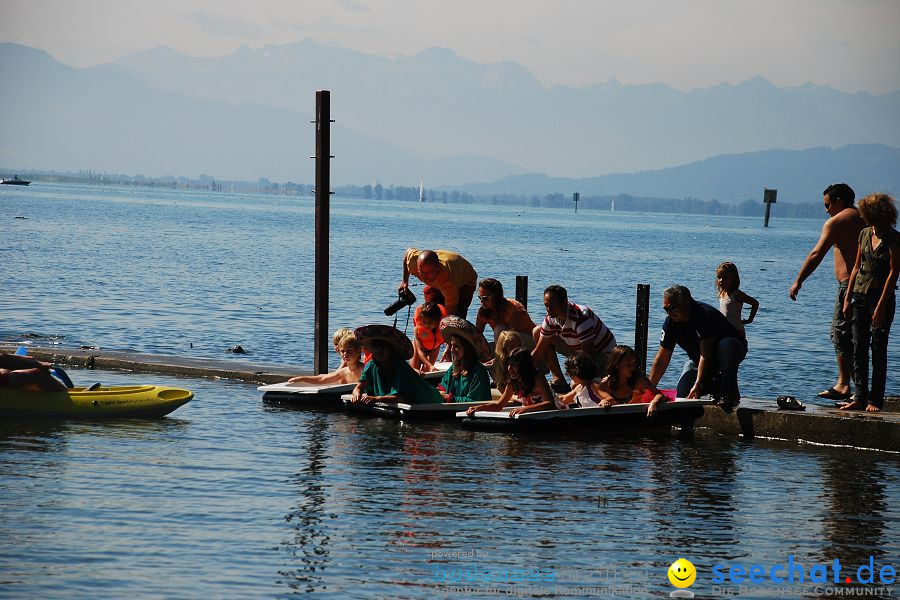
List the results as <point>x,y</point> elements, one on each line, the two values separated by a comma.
<point>851,45</point>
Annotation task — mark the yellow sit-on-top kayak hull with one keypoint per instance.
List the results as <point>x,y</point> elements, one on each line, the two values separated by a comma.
<point>114,401</point>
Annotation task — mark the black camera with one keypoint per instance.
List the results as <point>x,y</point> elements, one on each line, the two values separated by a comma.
<point>405,298</point>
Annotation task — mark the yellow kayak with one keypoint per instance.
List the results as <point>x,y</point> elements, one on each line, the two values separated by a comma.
<point>113,401</point>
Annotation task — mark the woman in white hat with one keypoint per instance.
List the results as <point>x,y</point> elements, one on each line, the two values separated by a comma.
<point>468,379</point>
<point>388,377</point>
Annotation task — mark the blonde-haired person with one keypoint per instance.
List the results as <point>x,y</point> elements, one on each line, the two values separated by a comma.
<point>504,345</point>
<point>872,299</point>
<point>336,339</point>
<point>351,367</point>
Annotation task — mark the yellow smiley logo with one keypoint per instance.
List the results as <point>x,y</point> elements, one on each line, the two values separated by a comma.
<point>682,573</point>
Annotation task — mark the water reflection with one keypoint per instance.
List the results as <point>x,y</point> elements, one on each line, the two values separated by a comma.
<point>854,526</point>
<point>309,548</point>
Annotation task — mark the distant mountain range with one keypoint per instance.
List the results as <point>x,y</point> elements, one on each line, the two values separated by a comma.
<point>439,117</point>
<point>798,175</point>
<point>436,103</point>
<point>59,117</point>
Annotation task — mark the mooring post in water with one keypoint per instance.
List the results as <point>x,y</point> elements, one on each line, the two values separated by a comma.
<point>575,198</point>
<point>522,290</point>
<point>323,199</point>
<point>641,325</point>
<point>769,199</point>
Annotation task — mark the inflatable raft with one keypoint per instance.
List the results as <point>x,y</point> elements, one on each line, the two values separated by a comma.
<point>113,401</point>
<point>309,394</point>
<point>620,417</point>
<point>409,412</point>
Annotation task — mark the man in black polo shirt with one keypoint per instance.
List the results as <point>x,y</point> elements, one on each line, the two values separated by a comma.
<point>715,348</point>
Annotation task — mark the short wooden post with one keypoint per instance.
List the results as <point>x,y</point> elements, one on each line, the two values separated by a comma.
<point>575,198</point>
<point>642,325</point>
<point>522,290</point>
<point>769,199</point>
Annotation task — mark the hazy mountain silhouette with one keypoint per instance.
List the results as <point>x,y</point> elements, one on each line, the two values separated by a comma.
<point>65,118</point>
<point>798,175</point>
<point>436,103</point>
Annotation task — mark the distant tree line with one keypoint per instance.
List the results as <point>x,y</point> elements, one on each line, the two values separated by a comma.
<point>621,202</point>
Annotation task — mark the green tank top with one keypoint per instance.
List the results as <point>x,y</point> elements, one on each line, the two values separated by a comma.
<point>874,265</point>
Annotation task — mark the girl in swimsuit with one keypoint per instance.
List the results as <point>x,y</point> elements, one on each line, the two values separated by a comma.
<point>624,383</point>
<point>528,385</point>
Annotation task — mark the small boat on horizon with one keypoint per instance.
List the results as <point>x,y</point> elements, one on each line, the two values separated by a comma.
<point>15,181</point>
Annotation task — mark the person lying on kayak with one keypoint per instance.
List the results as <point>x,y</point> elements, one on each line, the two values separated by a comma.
<point>624,383</point>
<point>25,372</point>
<point>526,383</point>
<point>351,366</point>
<point>388,376</point>
<point>468,379</point>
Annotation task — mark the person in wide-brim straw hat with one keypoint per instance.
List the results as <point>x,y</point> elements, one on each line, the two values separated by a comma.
<point>468,379</point>
<point>453,325</point>
<point>388,377</point>
<point>368,334</point>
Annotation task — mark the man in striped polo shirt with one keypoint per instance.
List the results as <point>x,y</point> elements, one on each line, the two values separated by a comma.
<point>568,329</point>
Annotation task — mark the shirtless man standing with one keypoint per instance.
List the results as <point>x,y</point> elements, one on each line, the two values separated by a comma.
<point>841,230</point>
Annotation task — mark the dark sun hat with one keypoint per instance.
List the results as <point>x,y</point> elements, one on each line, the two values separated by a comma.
<point>453,325</point>
<point>387,334</point>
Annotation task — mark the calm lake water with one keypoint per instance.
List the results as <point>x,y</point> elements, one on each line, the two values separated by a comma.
<point>233,497</point>
<point>190,273</point>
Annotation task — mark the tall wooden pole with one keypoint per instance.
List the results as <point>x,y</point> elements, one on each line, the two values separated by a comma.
<point>323,200</point>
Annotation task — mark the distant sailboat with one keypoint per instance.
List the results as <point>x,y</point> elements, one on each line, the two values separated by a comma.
<point>422,190</point>
<point>612,206</point>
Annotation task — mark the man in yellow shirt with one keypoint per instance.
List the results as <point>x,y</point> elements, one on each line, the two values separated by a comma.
<point>444,272</point>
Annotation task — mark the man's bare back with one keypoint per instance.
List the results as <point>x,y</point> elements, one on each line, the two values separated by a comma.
<point>840,231</point>
<point>845,228</point>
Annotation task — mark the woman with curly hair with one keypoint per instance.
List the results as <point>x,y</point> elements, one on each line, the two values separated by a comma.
<point>872,299</point>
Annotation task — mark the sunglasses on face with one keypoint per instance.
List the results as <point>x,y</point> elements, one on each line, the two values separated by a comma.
<point>670,309</point>
<point>484,298</point>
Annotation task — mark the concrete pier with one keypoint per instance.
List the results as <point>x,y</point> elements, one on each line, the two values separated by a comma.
<point>817,424</point>
<point>755,418</point>
<point>169,365</point>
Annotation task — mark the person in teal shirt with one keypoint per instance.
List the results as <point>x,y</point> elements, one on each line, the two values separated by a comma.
<point>468,379</point>
<point>388,377</point>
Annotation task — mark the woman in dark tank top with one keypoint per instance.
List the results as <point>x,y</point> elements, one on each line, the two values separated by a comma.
<point>871,302</point>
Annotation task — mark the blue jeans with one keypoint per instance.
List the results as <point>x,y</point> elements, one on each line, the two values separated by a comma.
<point>863,333</point>
<point>730,352</point>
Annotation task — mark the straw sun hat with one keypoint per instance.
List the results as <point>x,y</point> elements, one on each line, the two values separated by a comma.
<point>387,334</point>
<point>453,325</point>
